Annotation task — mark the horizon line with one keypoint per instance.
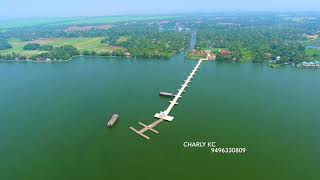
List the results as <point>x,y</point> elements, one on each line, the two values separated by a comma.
<point>171,13</point>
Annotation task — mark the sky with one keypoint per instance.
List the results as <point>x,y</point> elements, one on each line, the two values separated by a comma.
<point>69,8</point>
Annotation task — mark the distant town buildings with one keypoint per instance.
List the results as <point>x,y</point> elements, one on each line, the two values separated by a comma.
<point>166,26</point>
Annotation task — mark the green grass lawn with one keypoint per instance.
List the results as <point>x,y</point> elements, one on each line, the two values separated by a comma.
<point>122,39</point>
<point>313,52</point>
<point>17,47</point>
<point>274,65</point>
<point>81,43</point>
<point>247,55</point>
<point>195,57</point>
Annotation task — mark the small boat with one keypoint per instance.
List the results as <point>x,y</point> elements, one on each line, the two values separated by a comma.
<point>113,120</point>
<point>166,94</point>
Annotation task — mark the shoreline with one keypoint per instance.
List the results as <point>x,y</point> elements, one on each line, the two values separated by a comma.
<point>55,61</point>
<point>273,66</point>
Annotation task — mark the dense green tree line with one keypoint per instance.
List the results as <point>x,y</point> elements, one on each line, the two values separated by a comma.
<point>148,41</point>
<point>32,33</point>
<point>117,52</point>
<point>63,53</point>
<point>57,53</point>
<point>4,45</point>
<point>36,46</point>
<point>258,37</point>
<point>262,43</point>
<point>143,39</point>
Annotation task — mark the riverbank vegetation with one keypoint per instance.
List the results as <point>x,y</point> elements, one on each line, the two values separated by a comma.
<point>146,41</point>
<point>36,46</point>
<point>140,39</point>
<point>256,44</point>
<point>4,45</point>
<point>244,37</point>
<point>266,38</point>
<point>55,53</point>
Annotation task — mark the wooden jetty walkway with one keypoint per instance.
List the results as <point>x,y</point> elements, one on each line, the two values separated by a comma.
<point>164,115</point>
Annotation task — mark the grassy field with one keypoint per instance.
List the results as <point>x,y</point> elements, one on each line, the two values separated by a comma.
<point>312,52</point>
<point>18,23</point>
<point>81,43</point>
<point>195,57</point>
<point>122,39</point>
<point>17,47</point>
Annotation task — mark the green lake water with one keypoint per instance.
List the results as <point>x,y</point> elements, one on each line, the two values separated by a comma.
<point>52,120</point>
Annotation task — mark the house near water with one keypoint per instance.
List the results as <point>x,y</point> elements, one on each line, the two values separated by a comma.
<point>305,64</point>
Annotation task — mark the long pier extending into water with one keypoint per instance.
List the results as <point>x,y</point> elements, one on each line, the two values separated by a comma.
<point>164,115</point>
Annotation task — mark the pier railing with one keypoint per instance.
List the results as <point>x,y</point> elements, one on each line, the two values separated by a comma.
<point>164,115</point>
